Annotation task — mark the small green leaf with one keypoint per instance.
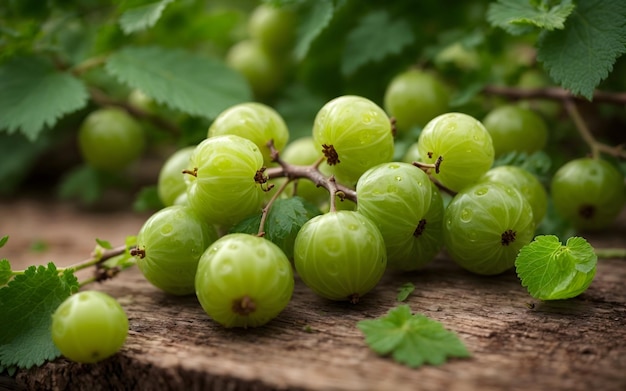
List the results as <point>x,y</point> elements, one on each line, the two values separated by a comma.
<point>405,291</point>
<point>104,244</point>
<point>83,183</point>
<point>519,16</point>
<point>182,80</point>
<point>377,36</point>
<point>147,200</point>
<point>315,17</point>
<point>412,340</point>
<point>4,240</point>
<point>284,220</point>
<point>580,56</point>
<point>552,271</point>
<point>537,163</point>
<point>5,271</point>
<point>142,17</point>
<point>26,304</point>
<point>35,95</point>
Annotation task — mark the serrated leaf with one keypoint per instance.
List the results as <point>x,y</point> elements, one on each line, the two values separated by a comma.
<point>537,163</point>
<point>519,17</point>
<point>27,303</point>
<point>142,17</point>
<point>412,340</point>
<point>315,17</point>
<point>5,271</point>
<point>182,80</point>
<point>580,56</point>
<point>4,240</point>
<point>284,220</point>
<point>377,36</point>
<point>35,94</point>
<point>552,271</point>
<point>405,291</point>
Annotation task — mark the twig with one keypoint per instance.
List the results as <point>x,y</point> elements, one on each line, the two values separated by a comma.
<point>554,93</point>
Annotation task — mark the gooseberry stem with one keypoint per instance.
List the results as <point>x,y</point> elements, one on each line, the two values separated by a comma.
<point>266,209</point>
<point>581,126</point>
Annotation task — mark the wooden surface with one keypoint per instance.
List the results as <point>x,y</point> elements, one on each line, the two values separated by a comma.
<point>578,344</point>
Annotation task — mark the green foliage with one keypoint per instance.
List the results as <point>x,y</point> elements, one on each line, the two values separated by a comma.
<point>188,82</point>
<point>4,240</point>
<point>5,271</point>
<point>142,17</point>
<point>315,16</point>
<point>284,220</point>
<point>581,55</point>
<point>29,300</point>
<point>376,37</point>
<point>405,291</point>
<point>35,95</point>
<point>552,271</point>
<point>519,17</point>
<point>412,340</point>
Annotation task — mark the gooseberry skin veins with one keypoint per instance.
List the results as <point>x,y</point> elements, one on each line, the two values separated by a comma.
<point>526,183</point>
<point>255,121</point>
<point>223,189</point>
<point>340,255</point>
<point>172,241</point>
<point>89,326</point>
<point>171,182</point>
<point>476,222</point>
<point>588,192</point>
<point>464,146</point>
<point>401,199</point>
<point>359,131</point>
<point>241,265</point>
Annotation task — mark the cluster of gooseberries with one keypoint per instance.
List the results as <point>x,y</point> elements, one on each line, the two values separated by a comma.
<point>379,214</point>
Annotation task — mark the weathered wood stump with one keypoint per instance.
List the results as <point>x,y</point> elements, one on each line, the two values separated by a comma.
<point>517,343</point>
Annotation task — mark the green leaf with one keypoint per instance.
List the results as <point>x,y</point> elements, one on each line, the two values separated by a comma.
<point>580,56</point>
<point>26,304</point>
<point>552,271</point>
<point>405,291</point>
<point>104,243</point>
<point>84,183</point>
<point>147,200</point>
<point>142,17</point>
<point>17,156</point>
<point>412,340</point>
<point>519,17</point>
<point>377,36</point>
<point>284,220</point>
<point>4,240</point>
<point>182,80</point>
<point>35,94</point>
<point>537,163</point>
<point>315,17</point>
<point>5,271</point>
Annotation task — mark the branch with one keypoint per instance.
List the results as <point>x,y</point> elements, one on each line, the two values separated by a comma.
<point>554,93</point>
<point>581,126</point>
<point>102,99</point>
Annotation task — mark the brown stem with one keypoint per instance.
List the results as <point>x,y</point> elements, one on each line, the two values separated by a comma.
<point>102,99</point>
<point>581,126</point>
<point>332,183</point>
<point>266,209</point>
<point>313,174</point>
<point>554,93</point>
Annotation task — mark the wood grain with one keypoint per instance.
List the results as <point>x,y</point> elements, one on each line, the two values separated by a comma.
<point>578,344</point>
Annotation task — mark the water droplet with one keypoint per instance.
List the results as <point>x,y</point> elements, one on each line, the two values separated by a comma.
<point>226,266</point>
<point>261,253</point>
<point>353,227</point>
<point>480,192</point>
<point>167,229</point>
<point>398,178</point>
<point>466,215</point>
